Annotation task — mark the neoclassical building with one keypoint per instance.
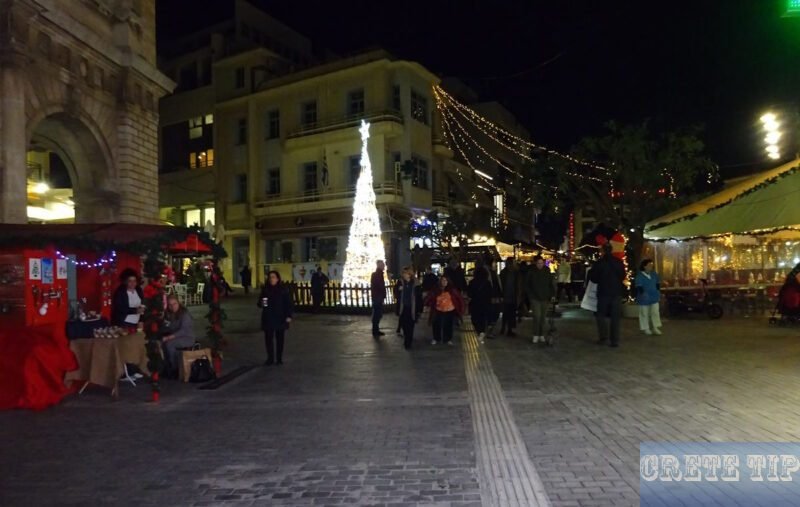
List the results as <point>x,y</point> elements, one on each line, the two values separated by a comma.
<point>79,91</point>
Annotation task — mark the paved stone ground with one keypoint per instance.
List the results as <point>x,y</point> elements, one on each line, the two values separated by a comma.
<point>350,421</point>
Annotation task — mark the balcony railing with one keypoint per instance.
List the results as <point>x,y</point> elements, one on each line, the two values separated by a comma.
<point>353,120</point>
<point>385,189</point>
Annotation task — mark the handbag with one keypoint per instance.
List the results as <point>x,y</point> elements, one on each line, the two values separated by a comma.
<point>589,301</point>
<point>188,357</point>
<point>202,371</point>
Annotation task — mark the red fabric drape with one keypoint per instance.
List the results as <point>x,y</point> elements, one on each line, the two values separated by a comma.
<point>33,362</point>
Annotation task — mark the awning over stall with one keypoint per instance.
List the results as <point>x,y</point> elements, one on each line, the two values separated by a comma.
<point>766,203</point>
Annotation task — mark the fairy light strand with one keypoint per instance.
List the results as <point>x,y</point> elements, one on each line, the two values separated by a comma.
<point>443,95</point>
<point>86,264</point>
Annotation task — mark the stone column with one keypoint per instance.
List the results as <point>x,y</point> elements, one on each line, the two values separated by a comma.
<point>14,18</point>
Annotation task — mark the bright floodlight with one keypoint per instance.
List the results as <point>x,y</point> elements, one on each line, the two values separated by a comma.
<point>772,137</point>
<point>41,188</point>
<point>774,156</point>
<point>772,149</point>
<point>768,118</point>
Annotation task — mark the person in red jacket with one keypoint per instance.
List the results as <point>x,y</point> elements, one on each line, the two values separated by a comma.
<point>446,306</point>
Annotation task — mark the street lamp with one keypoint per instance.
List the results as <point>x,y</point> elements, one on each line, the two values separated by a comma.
<point>771,125</point>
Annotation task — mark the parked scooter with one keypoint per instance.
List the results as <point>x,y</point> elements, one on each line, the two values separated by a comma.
<point>694,301</point>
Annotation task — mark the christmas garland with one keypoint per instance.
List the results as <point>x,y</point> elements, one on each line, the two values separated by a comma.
<point>745,193</point>
<point>152,245</point>
<point>152,319</point>
<point>216,315</point>
<point>762,232</point>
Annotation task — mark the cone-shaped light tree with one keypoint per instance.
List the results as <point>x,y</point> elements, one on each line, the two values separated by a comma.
<point>364,246</point>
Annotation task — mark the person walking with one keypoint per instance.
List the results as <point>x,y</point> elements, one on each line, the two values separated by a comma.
<point>648,298</point>
<point>276,315</point>
<point>480,301</point>
<point>541,289</point>
<point>378,292</point>
<point>407,306</point>
<point>455,273</point>
<point>609,274</point>
<point>247,278</point>
<point>446,306</point>
<point>318,282</point>
<point>524,305</point>
<point>564,275</point>
<point>496,305</point>
<point>509,278</point>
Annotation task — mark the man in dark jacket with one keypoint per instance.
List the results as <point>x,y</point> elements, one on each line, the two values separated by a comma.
<point>540,286</point>
<point>455,273</point>
<point>512,287</point>
<point>318,283</point>
<point>378,290</point>
<point>609,274</point>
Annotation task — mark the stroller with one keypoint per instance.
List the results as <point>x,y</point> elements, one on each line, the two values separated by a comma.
<point>787,309</point>
<point>551,337</point>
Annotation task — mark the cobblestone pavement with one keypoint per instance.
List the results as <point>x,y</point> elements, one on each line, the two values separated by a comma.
<point>348,420</point>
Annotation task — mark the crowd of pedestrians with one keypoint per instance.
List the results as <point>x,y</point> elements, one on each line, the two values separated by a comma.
<point>489,297</point>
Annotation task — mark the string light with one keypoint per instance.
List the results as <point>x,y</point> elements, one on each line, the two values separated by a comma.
<point>446,106</point>
<point>440,94</point>
<point>86,264</point>
<point>365,245</point>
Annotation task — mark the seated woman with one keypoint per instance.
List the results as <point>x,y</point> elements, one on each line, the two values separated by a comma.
<point>179,333</point>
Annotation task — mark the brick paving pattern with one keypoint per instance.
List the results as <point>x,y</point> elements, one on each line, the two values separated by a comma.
<point>351,421</point>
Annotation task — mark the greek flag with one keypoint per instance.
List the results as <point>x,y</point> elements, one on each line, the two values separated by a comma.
<point>325,174</point>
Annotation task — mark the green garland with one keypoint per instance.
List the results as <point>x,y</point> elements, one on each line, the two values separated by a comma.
<point>216,315</point>
<point>153,317</point>
<point>745,193</point>
<point>152,245</point>
<point>763,232</point>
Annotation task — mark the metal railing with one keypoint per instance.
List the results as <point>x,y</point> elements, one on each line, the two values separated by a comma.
<point>390,189</point>
<point>348,121</point>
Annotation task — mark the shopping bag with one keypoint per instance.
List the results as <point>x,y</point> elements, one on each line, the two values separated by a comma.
<point>589,301</point>
<point>190,356</point>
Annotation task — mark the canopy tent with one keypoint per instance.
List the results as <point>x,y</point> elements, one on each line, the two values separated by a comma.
<point>767,203</point>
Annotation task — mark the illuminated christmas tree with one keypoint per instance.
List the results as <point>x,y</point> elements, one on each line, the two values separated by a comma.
<point>364,246</point>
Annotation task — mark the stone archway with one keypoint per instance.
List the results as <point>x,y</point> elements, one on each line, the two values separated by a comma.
<point>79,79</point>
<point>88,164</point>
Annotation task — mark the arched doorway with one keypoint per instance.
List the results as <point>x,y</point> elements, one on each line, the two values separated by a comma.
<point>68,173</point>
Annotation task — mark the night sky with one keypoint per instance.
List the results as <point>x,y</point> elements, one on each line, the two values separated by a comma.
<point>566,67</point>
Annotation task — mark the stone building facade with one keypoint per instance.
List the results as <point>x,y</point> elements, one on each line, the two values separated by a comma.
<point>79,79</point>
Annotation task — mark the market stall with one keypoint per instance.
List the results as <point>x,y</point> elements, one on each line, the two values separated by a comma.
<point>743,240</point>
<point>56,286</point>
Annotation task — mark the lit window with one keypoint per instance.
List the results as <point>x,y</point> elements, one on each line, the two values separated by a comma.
<point>209,119</point>
<point>192,217</point>
<point>210,215</point>
<point>209,157</point>
<point>192,160</point>
<point>196,128</point>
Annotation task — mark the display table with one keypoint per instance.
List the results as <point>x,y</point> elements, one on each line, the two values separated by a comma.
<point>84,328</point>
<point>102,360</point>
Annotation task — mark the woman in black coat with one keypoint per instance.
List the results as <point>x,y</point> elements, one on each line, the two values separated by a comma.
<point>126,306</point>
<point>480,301</point>
<point>276,315</point>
